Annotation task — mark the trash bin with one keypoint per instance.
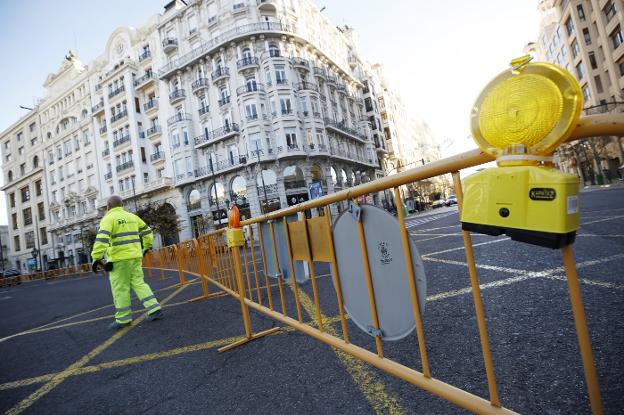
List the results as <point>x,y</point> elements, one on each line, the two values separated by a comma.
<point>599,179</point>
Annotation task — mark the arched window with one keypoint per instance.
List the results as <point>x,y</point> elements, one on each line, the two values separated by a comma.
<point>274,50</point>
<point>35,162</point>
<point>267,181</point>
<point>293,178</point>
<point>217,195</point>
<point>84,114</point>
<point>344,179</point>
<point>10,175</point>
<point>194,200</point>
<point>334,177</point>
<point>238,190</point>
<point>316,173</point>
<point>247,53</point>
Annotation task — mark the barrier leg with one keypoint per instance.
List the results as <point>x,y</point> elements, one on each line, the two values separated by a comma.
<point>581,330</point>
<point>203,275</point>
<point>238,271</point>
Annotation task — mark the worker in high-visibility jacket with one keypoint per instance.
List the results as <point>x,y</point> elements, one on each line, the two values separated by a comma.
<point>125,238</point>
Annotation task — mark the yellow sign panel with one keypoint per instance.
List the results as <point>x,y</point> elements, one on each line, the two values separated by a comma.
<point>319,242</point>
<point>298,240</point>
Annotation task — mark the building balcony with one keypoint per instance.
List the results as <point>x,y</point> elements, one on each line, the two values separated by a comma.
<point>220,74</point>
<point>119,116</point>
<point>157,157</point>
<point>224,101</point>
<point>306,86</point>
<point>290,150</point>
<point>117,91</point>
<point>256,117</point>
<point>203,110</point>
<point>106,152</point>
<point>145,56</point>
<point>331,79</point>
<point>249,88</point>
<point>152,131</point>
<point>169,44</point>
<point>210,46</point>
<point>247,63</point>
<point>176,96</point>
<point>217,135</point>
<point>221,166</point>
<point>200,84</point>
<point>344,130</point>
<point>183,116</point>
<point>121,140</point>
<point>144,80</point>
<point>300,63</point>
<point>150,105</point>
<point>317,150</point>
<point>149,187</point>
<point>341,88</point>
<point>125,166</point>
<point>108,176</point>
<point>283,113</point>
<point>320,72</point>
<point>103,130</point>
<point>99,107</point>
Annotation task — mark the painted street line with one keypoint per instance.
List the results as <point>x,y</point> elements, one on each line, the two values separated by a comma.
<point>460,248</point>
<point>602,220</point>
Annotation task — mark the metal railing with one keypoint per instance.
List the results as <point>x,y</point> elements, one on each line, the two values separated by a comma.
<point>144,79</point>
<point>159,155</point>
<point>121,140</point>
<point>216,135</point>
<point>219,73</point>
<point>311,240</point>
<point>119,116</point>
<point>117,91</point>
<point>183,116</point>
<point>177,95</point>
<point>125,166</point>
<point>155,129</point>
<point>145,55</point>
<point>151,104</point>
<point>199,84</point>
<point>248,88</point>
<point>248,61</point>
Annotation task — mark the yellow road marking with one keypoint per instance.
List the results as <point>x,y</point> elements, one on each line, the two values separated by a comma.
<point>143,358</point>
<point>60,377</point>
<point>375,392</point>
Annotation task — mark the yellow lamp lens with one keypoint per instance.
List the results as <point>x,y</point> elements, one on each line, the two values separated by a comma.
<point>536,107</point>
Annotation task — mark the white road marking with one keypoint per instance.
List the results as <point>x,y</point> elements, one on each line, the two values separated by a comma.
<point>602,220</point>
<point>411,222</point>
<point>6,298</point>
<point>459,248</point>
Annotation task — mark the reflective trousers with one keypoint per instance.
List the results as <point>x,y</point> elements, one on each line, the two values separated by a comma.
<point>128,275</point>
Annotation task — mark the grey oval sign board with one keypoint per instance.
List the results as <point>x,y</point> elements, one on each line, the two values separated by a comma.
<point>388,270</point>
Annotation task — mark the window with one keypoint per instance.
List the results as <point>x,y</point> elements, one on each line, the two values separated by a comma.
<point>621,67</point>
<point>575,48</point>
<point>291,137</point>
<point>581,12</point>
<point>569,26</point>
<point>592,60</point>
<point>617,37</point>
<point>255,143</point>
<point>32,127</point>
<point>30,239</point>
<point>27,216</point>
<point>609,11</point>
<point>185,136</point>
<point>38,189</point>
<point>22,169</point>
<point>19,136</point>
<point>40,211</point>
<point>598,82</point>
<point>12,199</point>
<point>21,150</point>
<point>586,95</point>
<point>175,139</point>
<point>280,75</point>
<point>274,51</point>
<point>34,141</point>
<point>16,243</point>
<point>251,111</point>
<point>44,236</point>
<point>25,194</point>
<point>586,36</point>
<point>233,154</point>
<point>285,106</point>
<point>14,220</point>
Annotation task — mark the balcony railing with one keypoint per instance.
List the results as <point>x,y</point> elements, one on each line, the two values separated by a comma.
<point>155,129</point>
<point>106,152</point>
<point>248,88</point>
<point>203,110</point>
<point>145,55</point>
<point>108,175</point>
<point>220,73</point>
<point>200,84</point>
<point>306,85</point>
<point>207,47</point>
<point>144,79</point>
<point>341,88</point>
<point>239,7</point>
<point>97,108</point>
<point>121,140</point>
<point>300,63</point>
<point>117,91</point>
<point>247,62</point>
<point>223,101</point>
<point>159,155</point>
<point>119,116</point>
<point>331,79</point>
<point>216,135</point>
<point>183,116</point>
<point>177,95</point>
<point>103,130</point>
<point>340,126</point>
<point>169,44</point>
<point>125,166</point>
<point>151,104</point>
<point>320,72</point>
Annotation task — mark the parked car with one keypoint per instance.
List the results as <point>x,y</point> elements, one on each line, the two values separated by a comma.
<point>452,200</point>
<point>7,278</point>
<point>438,204</point>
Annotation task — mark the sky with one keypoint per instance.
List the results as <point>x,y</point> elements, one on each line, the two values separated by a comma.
<point>438,54</point>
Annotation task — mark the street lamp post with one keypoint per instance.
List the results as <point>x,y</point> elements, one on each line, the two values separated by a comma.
<point>37,238</point>
<point>214,185</point>
<point>266,200</point>
<point>136,208</point>
<point>1,253</point>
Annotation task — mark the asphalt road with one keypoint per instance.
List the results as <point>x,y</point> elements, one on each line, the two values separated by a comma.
<point>57,356</point>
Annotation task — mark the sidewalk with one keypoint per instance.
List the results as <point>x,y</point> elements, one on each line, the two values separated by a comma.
<point>617,183</point>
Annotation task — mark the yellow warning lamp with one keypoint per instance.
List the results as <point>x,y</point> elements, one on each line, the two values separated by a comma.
<point>520,118</point>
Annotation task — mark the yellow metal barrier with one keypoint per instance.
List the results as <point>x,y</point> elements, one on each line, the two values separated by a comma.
<point>311,240</point>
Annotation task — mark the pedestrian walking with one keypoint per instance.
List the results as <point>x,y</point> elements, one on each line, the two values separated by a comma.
<point>125,239</point>
<point>607,175</point>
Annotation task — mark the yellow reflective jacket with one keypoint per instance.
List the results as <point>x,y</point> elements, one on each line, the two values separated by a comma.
<point>122,235</point>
